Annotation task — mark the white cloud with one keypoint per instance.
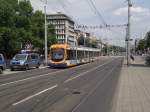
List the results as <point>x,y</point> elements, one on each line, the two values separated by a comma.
<point>140,10</point>
<point>135,10</point>
<point>38,5</point>
<point>120,11</point>
<point>136,19</point>
<point>81,12</point>
<point>137,13</point>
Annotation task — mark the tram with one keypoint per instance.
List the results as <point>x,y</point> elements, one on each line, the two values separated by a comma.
<point>63,55</point>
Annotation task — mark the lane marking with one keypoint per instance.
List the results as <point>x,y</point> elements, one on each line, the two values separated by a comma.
<point>14,72</point>
<point>34,77</point>
<point>32,96</point>
<point>93,90</point>
<point>56,85</point>
<point>84,73</point>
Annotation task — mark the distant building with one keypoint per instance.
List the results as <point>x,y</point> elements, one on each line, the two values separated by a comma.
<point>64,27</point>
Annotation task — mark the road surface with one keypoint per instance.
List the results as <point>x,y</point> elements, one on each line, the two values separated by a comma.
<point>86,88</point>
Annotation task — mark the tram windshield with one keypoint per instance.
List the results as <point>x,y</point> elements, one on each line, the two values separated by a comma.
<point>57,54</point>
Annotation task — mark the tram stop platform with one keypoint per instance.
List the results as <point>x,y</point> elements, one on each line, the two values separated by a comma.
<point>133,88</point>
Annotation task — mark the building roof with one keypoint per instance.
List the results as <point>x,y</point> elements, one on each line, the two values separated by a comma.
<point>60,15</point>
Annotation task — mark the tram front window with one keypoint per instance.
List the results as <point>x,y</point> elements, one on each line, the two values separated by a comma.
<point>57,54</point>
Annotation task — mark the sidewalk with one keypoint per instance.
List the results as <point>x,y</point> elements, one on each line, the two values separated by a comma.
<point>133,91</point>
<point>8,71</point>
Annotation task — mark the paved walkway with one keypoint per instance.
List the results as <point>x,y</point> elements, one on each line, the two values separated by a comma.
<point>8,71</point>
<point>133,91</point>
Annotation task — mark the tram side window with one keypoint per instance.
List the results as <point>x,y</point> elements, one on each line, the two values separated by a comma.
<point>80,54</point>
<point>70,55</point>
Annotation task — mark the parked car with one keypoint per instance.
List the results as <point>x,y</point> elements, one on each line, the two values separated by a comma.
<point>25,61</point>
<point>2,63</point>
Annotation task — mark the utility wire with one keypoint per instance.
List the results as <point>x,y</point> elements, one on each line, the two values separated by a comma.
<point>119,5</point>
<point>97,12</point>
<point>64,6</point>
<point>93,7</point>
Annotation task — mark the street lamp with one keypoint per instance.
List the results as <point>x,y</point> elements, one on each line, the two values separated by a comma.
<point>84,43</point>
<point>46,61</point>
<point>45,17</point>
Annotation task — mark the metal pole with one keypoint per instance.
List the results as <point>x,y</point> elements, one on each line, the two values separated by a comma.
<point>129,21</point>
<point>107,49</point>
<point>84,44</point>
<point>76,45</point>
<point>127,43</point>
<point>135,47</point>
<point>46,61</point>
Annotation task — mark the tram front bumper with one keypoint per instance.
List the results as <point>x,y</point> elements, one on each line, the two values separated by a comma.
<point>58,65</point>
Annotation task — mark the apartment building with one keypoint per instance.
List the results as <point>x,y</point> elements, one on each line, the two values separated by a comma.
<point>64,27</point>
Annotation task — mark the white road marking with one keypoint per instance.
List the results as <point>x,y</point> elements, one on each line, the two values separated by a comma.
<point>34,77</point>
<point>32,96</point>
<point>84,73</point>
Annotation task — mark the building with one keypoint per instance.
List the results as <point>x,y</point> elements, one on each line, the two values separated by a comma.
<point>64,27</point>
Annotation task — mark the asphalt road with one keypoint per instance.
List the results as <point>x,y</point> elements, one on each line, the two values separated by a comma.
<point>85,88</point>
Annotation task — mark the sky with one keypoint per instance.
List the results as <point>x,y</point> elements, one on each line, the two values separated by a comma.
<point>113,12</point>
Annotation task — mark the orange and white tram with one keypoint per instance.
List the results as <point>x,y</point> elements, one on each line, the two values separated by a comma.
<point>62,55</point>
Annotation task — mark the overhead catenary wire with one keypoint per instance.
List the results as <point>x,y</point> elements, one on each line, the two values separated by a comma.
<point>119,5</point>
<point>99,15</point>
<point>94,8</point>
<point>77,22</point>
<point>64,6</point>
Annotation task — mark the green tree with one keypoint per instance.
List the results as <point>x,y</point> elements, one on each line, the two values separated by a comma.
<point>23,22</point>
<point>93,43</point>
<point>7,25</point>
<point>20,26</point>
<point>148,40</point>
<point>81,40</point>
<point>38,31</point>
<point>87,42</point>
<point>142,45</point>
<point>51,35</point>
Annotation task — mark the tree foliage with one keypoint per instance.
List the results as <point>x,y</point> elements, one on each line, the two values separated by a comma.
<point>144,44</point>
<point>20,26</point>
<point>81,40</point>
<point>148,40</point>
<point>88,42</point>
<point>93,43</point>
